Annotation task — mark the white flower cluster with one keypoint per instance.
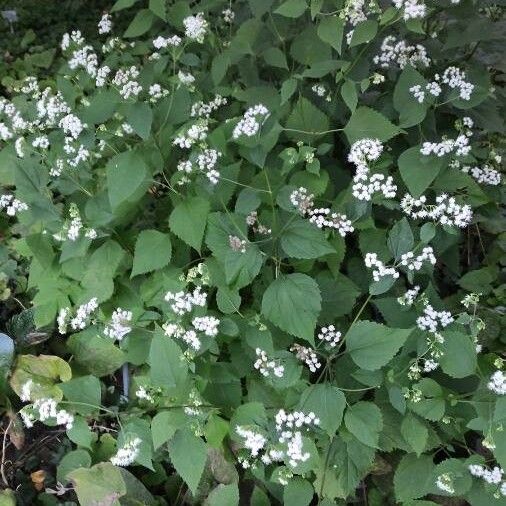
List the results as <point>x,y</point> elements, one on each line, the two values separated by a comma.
<point>251,121</point>
<point>287,425</point>
<point>492,476</point>
<point>453,77</point>
<point>415,263</point>
<point>127,454</point>
<point>372,261</point>
<point>237,244</point>
<point>427,365</point>
<point>206,324</point>
<point>446,211</point>
<point>398,52</point>
<point>460,146</point>
<point>75,37</point>
<point>186,78</point>
<point>497,383</point>
<point>43,409</point>
<point>202,109</point>
<point>253,441</point>
<point>412,9</point>
<point>195,27</point>
<point>356,11</point>
<point>183,302</point>
<point>266,366</point>
<point>365,184</point>
<point>207,161</point>
<point>484,175</point>
<point>444,482</point>
<point>81,317</point>
<point>118,327</point>
<point>320,90</point>
<point>156,92</point>
<point>329,335</point>
<point>195,133</point>
<point>126,82</point>
<point>306,355</point>
<point>321,217</point>
<point>228,15</point>
<point>432,320</point>
<point>252,221</point>
<point>105,24</point>
<point>324,218</point>
<point>143,394</point>
<point>409,297</point>
<point>71,229</point>
<point>162,42</point>
<point>12,205</point>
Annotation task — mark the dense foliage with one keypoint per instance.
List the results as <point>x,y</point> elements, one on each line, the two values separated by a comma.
<point>252,252</point>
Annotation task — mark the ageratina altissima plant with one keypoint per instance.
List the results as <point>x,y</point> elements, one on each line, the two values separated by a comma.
<point>248,228</point>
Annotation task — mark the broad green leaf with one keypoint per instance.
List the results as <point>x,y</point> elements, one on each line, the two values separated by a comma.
<point>141,23</point>
<point>306,117</point>
<point>122,4</point>
<point>140,116</point>
<point>415,432</point>
<point>364,32</point>
<point>365,422</point>
<point>301,239</point>
<point>368,123</point>
<point>298,492</point>
<point>188,454</point>
<point>292,8</point>
<point>349,94</point>
<point>165,358</point>
<point>126,179</point>
<point>400,238</point>
<point>153,250</point>
<point>288,89</point>
<point>372,345</point>
<point>73,460</point>
<point>339,295</point>
<point>80,433</point>
<point>419,171</point>
<point>157,7</point>
<point>413,477</point>
<point>327,402</point>
<point>224,495</point>
<point>242,268</point>
<point>97,354</point>
<point>101,483</point>
<point>411,112</point>
<point>459,355</point>
<point>275,58</point>
<point>330,30</point>
<point>259,7</point>
<point>165,424</point>
<point>188,220</point>
<point>85,391</point>
<point>293,302</point>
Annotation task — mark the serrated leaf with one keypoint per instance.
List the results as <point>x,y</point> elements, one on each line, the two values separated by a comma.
<point>153,250</point>
<point>413,477</point>
<point>364,32</point>
<point>400,238</point>
<point>301,239</point>
<point>141,23</point>
<point>293,302</point>
<point>349,94</point>
<point>415,432</point>
<point>368,123</point>
<point>188,220</point>
<point>330,30</point>
<point>459,355</point>
<point>372,345</point>
<point>292,8</point>
<point>365,422</point>
<point>306,117</point>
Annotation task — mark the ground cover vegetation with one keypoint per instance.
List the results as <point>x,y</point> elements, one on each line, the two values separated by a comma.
<point>252,253</point>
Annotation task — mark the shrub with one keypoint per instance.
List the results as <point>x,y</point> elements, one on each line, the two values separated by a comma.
<point>262,246</point>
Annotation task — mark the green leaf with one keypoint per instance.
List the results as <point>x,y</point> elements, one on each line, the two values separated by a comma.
<point>153,250</point>
<point>188,454</point>
<point>365,422</point>
<point>330,30</point>
<point>298,492</point>
<point>140,24</point>
<point>122,4</point>
<point>293,302</point>
<point>242,268</point>
<point>259,7</point>
<point>339,295</point>
<point>400,238</point>
<point>418,171</point>
<point>224,495</point>
<point>126,178</point>
<point>188,220</point>
<point>301,239</point>
<point>165,358</point>
<point>73,460</point>
<point>368,123</point>
<point>140,116</point>
<point>411,112</point>
<point>415,432</point>
<point>98,355</point>
<point>364,32</point>
<point>292,8</point>
<point>459,355</point>
<point>349,94</point>
<point>275,58</point>
<point>157,7</point>
<point>413,477</point>
<point>165,424</point>
<point>80,433</point>
<point>372,345</point>
<point>288,89</point>
<point>85,389</point>
<point>327,402</point>
<point>101,107</point>
<point>308,118</point>
<point>100,484</point>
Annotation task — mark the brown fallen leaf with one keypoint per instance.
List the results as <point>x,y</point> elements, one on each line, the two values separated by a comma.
<point>38,478</point>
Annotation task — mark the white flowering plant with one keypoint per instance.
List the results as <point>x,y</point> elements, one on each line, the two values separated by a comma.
<point>262,244</point>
